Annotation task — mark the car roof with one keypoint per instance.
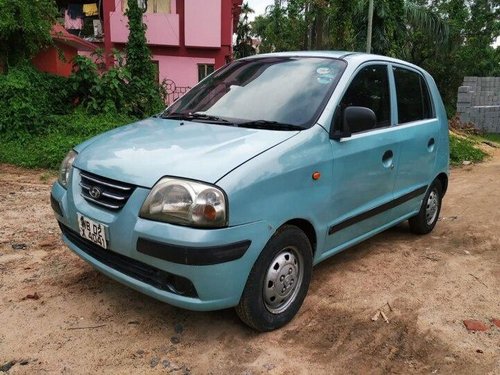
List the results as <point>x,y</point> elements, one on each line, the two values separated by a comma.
<point>349,56</point>
<point>334,54</point>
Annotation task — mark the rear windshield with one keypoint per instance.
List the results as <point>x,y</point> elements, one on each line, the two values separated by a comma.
<point>289,90</point>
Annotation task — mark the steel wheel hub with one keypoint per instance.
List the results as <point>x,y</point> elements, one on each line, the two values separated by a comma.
<point>283,280</point>
<point>431,208</point>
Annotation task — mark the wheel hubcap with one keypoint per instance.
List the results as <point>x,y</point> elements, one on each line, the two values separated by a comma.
<point>432,206</point>
<point>283,280</point>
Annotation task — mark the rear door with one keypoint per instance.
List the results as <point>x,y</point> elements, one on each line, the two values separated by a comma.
<point>417,131</point>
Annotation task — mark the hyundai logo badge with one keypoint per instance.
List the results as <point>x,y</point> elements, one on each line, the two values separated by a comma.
<point>95,192</point>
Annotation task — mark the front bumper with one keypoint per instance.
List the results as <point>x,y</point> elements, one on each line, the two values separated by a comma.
<point>183,252</point>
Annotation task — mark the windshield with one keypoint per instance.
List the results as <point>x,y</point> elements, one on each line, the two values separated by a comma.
<point>288,91</point>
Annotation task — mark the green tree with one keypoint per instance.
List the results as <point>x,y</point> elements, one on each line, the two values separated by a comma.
<point>24,29</point>
<point>138,54</point>
<point>480,31</point>
<point>341,27</point>
<point>143,91</point>
<point>393,23</point>
<point>342,24</point>
<point>473,26</point>
<point>244,45</point>
<point>282,27</point>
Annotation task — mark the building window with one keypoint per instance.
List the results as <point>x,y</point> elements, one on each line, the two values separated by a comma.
<point>156,64</point>
<point>204,70</point>
<point>152,6</point>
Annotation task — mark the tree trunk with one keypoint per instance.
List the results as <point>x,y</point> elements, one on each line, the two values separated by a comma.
<point>370,26</point>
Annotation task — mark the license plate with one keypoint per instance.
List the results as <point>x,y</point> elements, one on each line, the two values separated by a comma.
<point>92,231</point>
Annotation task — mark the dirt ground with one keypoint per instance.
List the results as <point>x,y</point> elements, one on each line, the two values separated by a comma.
<point>59,315</point>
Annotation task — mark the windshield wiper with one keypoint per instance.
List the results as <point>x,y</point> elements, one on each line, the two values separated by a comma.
<point>255,124</point>
<point>194,116</point>
<point>266,124</point>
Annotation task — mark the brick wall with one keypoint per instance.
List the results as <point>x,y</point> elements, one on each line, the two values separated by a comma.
<point>479,102</point>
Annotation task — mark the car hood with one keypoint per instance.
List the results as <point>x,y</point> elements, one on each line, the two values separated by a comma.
<point>143,152</point>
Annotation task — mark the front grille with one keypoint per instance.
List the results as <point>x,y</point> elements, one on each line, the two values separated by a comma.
<point>104,191</point>
<point>140,271</point>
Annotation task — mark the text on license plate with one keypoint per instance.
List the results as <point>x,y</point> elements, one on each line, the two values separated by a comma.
<point>92,231</point>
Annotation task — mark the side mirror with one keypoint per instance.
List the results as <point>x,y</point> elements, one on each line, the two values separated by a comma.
<point>355,119</point>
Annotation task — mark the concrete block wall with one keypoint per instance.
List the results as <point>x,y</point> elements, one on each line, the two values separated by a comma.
<point>479,103</point>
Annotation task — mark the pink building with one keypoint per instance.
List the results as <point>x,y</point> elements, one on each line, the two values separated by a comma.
<point>188,38</point>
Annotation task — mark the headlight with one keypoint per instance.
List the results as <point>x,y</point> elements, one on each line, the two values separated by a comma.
<point>66,166</point>
<point>186,202</point>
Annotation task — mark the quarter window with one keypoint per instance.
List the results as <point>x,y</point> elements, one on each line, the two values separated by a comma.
<point>413,96</point>
<point>370,88</point>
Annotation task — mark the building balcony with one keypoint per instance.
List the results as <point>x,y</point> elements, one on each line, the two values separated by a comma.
<point>162,28</point>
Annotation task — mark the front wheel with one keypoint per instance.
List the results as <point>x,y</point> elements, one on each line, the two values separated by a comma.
<point>428,215</point>
<point>278,282</point>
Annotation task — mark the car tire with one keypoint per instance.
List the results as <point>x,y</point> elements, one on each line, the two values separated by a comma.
<point>278,281</point>
<point>428,215</point>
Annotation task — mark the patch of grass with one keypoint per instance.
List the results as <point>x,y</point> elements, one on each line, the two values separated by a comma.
<point>47,149</point>
<point>47,176</point>
<point>494,137</point>
<point>464,149</point>
<point>28,98</point>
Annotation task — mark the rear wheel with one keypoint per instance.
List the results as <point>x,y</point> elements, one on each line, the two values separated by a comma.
<point>278,282</point>
<point>428,215</point>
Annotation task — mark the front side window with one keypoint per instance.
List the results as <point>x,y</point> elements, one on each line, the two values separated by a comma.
<point>283,90</point>
<point>370,89</point>
<point>412,95</point>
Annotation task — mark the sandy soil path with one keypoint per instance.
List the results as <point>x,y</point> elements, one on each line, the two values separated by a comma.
<point>58,315</point>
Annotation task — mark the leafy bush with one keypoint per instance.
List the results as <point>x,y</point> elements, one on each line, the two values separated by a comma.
<point>28,97</point>
<point>130,88</point>
<point>64,132</point>
<point>85,76</point>
<point>463,149</point>
<point>116,90</point>
<point>24,29</point>
<point>42,116</point>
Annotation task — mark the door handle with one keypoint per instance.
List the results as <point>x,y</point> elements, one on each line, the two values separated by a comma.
<point>387,159</point>
<point>431,144</point>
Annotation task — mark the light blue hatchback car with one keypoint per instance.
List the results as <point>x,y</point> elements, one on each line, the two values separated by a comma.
<point>267,167</point>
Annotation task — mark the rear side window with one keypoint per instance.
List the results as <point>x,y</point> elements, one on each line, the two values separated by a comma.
<point>369,88</point>
<point>413,96</point>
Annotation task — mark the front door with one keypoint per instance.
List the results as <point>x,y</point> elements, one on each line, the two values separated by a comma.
<point>364,170</point>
